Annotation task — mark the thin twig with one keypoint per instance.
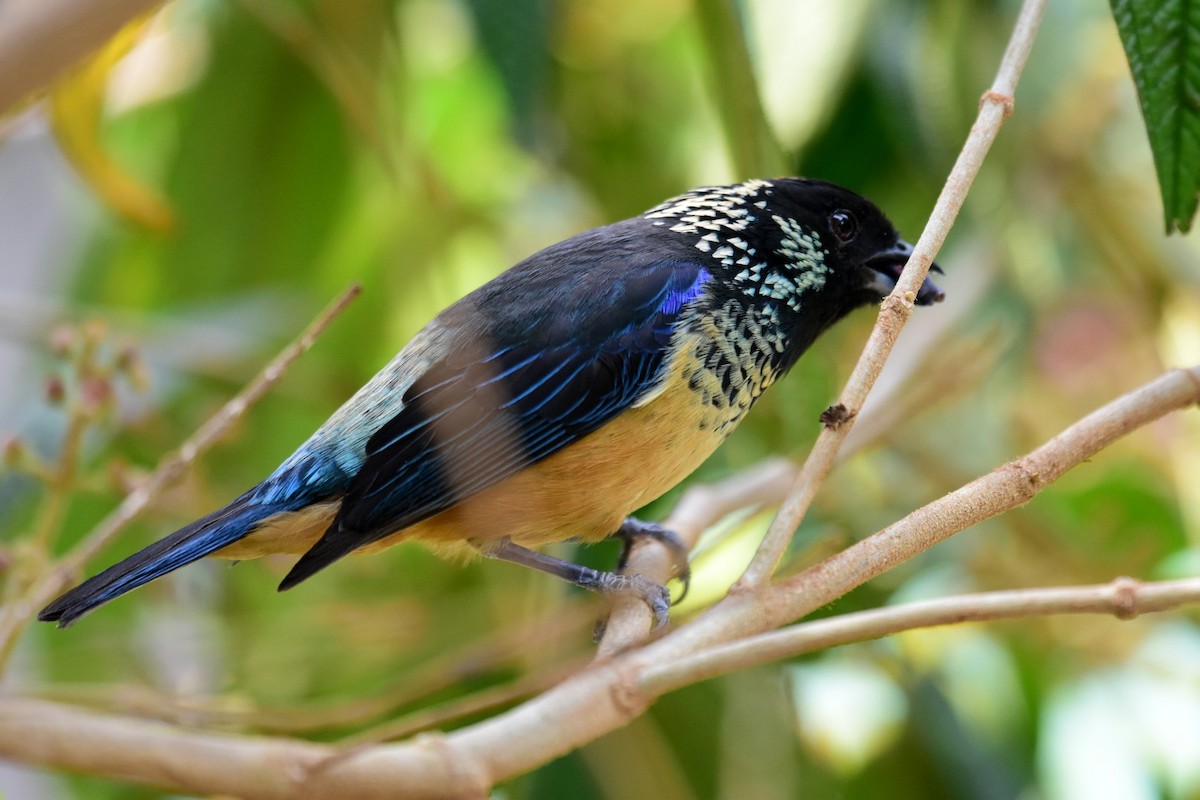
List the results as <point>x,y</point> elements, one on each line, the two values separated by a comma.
<point>995,106</point>
<point>16,615</point>
<point>38,731</point>
<point>1124,598</point>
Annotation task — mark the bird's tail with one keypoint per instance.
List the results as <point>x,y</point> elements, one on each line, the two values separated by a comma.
<point>201,538</point>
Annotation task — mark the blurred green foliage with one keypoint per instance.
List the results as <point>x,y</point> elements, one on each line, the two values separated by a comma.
<point>420,147</point>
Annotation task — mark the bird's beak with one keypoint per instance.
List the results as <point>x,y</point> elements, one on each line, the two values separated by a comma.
<point>885,267</point>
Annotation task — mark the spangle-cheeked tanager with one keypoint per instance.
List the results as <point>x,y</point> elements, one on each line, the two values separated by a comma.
<point>555,400</point>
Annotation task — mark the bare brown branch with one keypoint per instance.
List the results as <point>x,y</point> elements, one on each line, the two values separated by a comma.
<point>994,108</point>
<point>1124,598</point>
<point>257,768</point>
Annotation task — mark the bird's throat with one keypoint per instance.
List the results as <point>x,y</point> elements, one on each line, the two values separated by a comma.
<point>727,357</point>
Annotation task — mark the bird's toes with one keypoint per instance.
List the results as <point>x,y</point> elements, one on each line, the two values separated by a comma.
<point>633,529</point>
<point>654,595</point>
<point>660,605</point>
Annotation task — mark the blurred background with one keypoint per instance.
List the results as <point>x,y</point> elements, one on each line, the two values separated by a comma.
<point>176,213</point>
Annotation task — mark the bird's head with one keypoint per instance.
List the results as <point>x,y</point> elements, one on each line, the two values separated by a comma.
<point>802,252</point>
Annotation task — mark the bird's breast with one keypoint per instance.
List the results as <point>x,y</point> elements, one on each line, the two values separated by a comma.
<point>727,358</point>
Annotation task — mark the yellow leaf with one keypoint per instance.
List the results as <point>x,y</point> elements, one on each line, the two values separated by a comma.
<point>76,112</point>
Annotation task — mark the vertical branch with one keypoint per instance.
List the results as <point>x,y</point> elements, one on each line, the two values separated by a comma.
<point>994,107</point>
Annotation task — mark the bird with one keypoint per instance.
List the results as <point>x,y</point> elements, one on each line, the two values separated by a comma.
<point>563,395</point>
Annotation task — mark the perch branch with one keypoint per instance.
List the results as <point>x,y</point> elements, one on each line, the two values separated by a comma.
<point>994,107</point>
<point>1124,598</point>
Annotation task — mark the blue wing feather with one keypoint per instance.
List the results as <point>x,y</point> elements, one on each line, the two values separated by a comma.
<point>469,423</point>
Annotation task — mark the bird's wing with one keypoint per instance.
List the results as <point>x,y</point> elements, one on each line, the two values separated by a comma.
<point>493,408</point>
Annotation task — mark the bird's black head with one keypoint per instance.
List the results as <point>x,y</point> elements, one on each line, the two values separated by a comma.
<point>803,253</point>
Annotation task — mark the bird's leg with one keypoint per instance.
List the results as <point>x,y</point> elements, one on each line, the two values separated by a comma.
<point>652,594</point>
<point>633,529</point>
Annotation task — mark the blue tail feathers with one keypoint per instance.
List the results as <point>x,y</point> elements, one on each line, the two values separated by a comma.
<point>306,477</point>
<point>190,543</point>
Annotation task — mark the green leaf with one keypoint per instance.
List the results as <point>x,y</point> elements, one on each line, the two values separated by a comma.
<point>1162,42</point>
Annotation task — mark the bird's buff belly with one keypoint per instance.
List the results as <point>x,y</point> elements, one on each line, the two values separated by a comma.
<point>583,491</point>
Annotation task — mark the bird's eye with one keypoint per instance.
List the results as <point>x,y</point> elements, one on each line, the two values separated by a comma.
<point>843,224</point>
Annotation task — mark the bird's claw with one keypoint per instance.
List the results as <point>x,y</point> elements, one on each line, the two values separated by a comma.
<point>657,598</point>
<point>654,595</point>
<point>632,529</point>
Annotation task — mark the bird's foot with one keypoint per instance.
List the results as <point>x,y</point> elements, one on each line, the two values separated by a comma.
<point>633,529</point>
<point>654,595</point>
